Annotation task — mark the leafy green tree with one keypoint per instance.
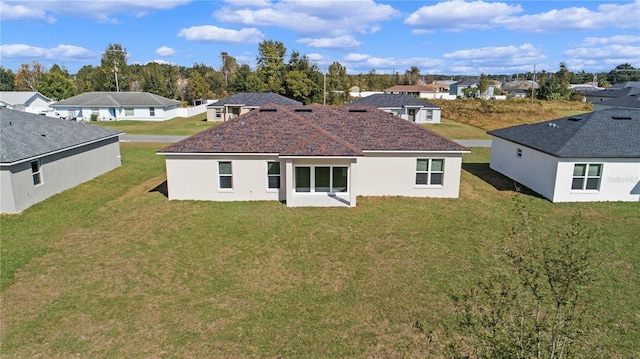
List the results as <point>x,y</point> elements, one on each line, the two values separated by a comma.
<point>228,68</point>
<point>7,79</point>
<point>303,80</point>
<point>623,73</point>
<point>245,80</point>
<point>337,84</point>
<point>483,85</point>
<point>271,66</point>
<point>113,63</point>
<point>411,76</point>
<point>198,87</point>
<point>537,306</point>
<point>56,84</point>
<point>152,79</point>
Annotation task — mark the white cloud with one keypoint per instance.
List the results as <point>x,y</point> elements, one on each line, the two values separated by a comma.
<point>619,39</point>
<point>161,62</point>
<point>165,51</point>
<point>210,33</point>
<point>575,19</point>
<point>311,17</point>
<point>498,59</point>
<point>460,15</point>
<point>58,53</point>
<point>21,12</point>
<point>103,10</point>
<point>340,43</point>
<point>359,63</point>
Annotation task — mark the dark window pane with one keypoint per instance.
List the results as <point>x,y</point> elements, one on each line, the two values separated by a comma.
<point>436,178</point>
<point>35,167</point>
<point>594,170</point>
<point>339,179</point>
<point>36,179</point>
<point>421,178</point>
<point>323,179</point>
<point>577,183</point>
<point>225,182</point>
<point>273,168</point>
<point>303,179</point>
<point>592,183</point>
<point>224,168</point>
<point>437,165</point>
<point>274,181</point>
<point>422,165</point>
<point>579,169</point>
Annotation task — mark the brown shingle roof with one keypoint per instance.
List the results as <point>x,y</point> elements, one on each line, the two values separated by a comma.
<point>314,130</point>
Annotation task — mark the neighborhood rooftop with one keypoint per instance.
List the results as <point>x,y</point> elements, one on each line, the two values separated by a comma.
<point>255,99</point>
<point>387,100</point>
<point>24,135</point>
<point>116,99</point>
<point>613,132</point>
<point>314,130</point>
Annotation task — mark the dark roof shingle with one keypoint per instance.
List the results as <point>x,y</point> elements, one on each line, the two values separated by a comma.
<point>314,130</point>
<point>608,133</point>
<point>387,100</point>
<point>25,135</point>
<point>255,99</point>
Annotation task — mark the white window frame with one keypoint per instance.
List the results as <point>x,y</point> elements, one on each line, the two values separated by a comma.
<point>217,113</point>
<point>36,173</point>
<point>429,172</point>
<point>225,175</point>
<point>312,179</point>
<point>586,177</point>
<point>273,175</point>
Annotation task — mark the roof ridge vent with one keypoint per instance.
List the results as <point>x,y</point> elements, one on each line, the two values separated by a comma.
<point>306,109</point>
<point>357,110</point>
<point>268,109</point>
<point>621,118</point>
<point>575,119</point>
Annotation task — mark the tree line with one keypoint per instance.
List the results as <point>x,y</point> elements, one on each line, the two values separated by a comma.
<point>298,78</point>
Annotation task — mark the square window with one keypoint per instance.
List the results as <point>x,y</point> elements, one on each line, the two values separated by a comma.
<point>430,172</point>
<point>586,176</point>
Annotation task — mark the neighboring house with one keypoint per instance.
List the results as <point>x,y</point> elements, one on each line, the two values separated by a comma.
<point>407,107</point>
<point>116,106</point>
<point>598,96</point>
<point>313,156</point>
<point>584,158</point>
<point>27,101</point>
<point>628,102</point>
<point>431,91</point>
<point>519,88</point>
<point>41,156</point>
<point>243,102</point>
<point>458,89</point>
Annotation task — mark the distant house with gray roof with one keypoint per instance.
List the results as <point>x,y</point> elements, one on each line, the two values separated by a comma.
<point>599,96</point>
<point>405,106</point>
<point>27,101</point>
<point>116,106</point>
<point>629,102</point>
<point>458,89</point>
<point>313,156</point>
<point>584,158</point>
<point>243,102</point>
<point>41,156</point>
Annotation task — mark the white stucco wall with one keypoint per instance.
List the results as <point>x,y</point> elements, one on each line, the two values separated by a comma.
<point>551,176</point>
<point>59,172</point>
<point>394,174</point>
<point>195,177</point>
<point>620,181</point>
<point>118,113</point>
<point>534,169</point>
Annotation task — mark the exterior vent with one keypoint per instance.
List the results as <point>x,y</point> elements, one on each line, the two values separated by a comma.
<point>575,119</point>
<point>303,110</point>
<point>357,110</point>
<point>621,118</point>
<point>268,109</point>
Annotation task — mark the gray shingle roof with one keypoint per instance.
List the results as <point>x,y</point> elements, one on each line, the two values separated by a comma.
<point>116,99</point>
<point>386,100</point>
<point>613,92</point>
<point>314,130</point>
<point>255,99</point>
<point>24,135</point>
<point>19,97</point>
<point>632,101</point>
<point>608,133</point>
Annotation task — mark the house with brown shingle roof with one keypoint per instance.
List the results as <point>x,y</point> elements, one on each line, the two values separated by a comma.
<point>313,156</point>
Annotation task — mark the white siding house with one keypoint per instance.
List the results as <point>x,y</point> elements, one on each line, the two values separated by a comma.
<point>27,101</point>
<point>405,106</point>
<point>313,156</point>
<point>42,156</point>
<point>115,106</point>
<point>585,158</point>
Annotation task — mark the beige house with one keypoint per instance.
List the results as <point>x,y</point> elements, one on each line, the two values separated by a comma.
<point>241,103</point>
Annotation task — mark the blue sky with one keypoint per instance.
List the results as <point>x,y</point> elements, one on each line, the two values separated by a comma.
<point>438,37</point>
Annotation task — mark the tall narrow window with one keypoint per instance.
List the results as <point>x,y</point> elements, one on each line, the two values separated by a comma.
<point>225,175</point>
<point>586,176</point>
<point>429,171</point>
<point>36,173</point>
<point>273,174</point>
<point>152,111</point>
<point>339,179</point>
<point>323,179</point>
<point>303,179</point>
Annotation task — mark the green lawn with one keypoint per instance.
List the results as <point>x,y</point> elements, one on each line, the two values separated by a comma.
<point>179,126</point>
<point>457,130</point>
<point>112,269</point>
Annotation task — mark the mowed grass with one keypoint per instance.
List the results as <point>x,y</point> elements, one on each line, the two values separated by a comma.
<point>179,126</point>
<point>112,269</point>
<point>457,130</point>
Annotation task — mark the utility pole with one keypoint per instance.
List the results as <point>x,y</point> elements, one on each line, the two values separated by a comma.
<point>533,88</point>
<point>324,87</point>
<point>115,68</point>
